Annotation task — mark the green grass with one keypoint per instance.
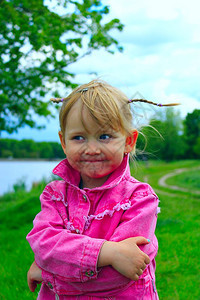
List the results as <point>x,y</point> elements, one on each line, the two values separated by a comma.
<point>177,232</point>
<point>17,211</point>
<point>189,180</point>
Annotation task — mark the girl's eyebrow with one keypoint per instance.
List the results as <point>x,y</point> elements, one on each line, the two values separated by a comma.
<point>107,130</point>
<point>75,132</point>
<point>99,131</point>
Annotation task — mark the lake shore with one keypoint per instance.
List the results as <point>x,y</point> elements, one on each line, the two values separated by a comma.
<point>14,171</point>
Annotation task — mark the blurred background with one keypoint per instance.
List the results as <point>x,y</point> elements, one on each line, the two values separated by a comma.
<point>149,50</point>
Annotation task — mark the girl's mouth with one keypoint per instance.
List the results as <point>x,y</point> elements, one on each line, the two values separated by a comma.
<point>93,160</point>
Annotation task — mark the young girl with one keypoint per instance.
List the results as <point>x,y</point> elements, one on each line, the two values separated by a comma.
<point>94,237</point>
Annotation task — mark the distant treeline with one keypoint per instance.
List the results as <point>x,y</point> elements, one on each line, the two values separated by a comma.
<point>167,137</point>
<point>11,148</point>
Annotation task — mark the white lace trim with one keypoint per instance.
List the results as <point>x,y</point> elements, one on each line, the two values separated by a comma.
<point>109,212</point>
<point>70,226</point>
<point>55,195</point>
<point>158,210</point>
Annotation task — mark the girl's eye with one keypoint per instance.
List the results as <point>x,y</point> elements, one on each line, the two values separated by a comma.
<point>78,138</point>
<point>105,137</point>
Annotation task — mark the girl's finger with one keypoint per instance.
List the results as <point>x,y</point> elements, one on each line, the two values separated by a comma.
<point>147,260</point>
<point>136,277</point>
<point>139,272</point>
<point>32,285</point>
<point>143,267</point>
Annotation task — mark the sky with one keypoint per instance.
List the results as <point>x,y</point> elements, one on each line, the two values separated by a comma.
<point>160,61</point>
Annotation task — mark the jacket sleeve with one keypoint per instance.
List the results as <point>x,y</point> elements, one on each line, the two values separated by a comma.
<point>60,252</point>
<point>140,220</point>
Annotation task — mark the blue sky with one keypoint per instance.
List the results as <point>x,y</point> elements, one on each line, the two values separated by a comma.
<point>161,57</point>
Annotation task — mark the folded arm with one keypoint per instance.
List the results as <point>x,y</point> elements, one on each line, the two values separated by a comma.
<point>59,251</point>
<point>81,257</point>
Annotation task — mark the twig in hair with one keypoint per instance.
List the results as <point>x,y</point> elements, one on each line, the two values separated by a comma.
<point>57,100</point>
<point>153,103</point>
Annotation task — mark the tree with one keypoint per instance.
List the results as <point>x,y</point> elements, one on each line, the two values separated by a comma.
<point>196,148</point>
<point>37,44</point>
<point>163,136</point>
<point>30,149</point>
<point>192,134</point>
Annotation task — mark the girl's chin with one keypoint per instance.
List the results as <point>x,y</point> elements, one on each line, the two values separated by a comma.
<point>93,170</point>
<point>93,175</point>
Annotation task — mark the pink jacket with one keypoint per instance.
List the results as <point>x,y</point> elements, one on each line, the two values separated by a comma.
<point>74,223</point>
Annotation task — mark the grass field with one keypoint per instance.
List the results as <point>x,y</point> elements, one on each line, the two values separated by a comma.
<point>177,232</point>
<point>190,180</point>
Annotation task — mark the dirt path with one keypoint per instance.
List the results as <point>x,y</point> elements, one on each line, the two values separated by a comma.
<point>162,180</point>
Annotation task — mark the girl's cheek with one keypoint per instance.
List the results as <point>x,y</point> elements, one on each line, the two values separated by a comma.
<point>73,155</point>
<point>74,163</point>
<point>73,149</point>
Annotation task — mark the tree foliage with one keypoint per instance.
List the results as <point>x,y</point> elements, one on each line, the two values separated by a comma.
<point>37,44</point>
<point>192,133</point>
<point>163,138</point>
<point>11,148</point>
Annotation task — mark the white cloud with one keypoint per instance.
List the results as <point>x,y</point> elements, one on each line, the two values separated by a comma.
<point>131,10</point>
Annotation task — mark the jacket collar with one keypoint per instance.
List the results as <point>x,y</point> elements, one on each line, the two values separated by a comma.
<point>72,177</point>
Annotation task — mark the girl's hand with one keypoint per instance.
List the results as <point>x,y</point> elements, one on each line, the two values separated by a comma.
<point>34,276</point>
<point>125,256</point>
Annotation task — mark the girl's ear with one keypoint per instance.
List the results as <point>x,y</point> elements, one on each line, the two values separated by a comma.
<point>62,140</point>
<point>131,141</point>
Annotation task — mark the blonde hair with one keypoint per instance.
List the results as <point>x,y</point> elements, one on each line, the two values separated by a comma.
<point>107,105</point>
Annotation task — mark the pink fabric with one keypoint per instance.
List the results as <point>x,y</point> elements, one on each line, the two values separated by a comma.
<point>72,226</point>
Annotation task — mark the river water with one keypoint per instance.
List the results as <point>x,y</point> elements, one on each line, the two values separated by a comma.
<point>12,172</point>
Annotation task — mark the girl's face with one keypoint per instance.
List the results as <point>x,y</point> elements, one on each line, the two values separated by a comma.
<point>95,152</point>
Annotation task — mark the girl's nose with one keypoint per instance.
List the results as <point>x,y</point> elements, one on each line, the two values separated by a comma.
<point>92,148</point>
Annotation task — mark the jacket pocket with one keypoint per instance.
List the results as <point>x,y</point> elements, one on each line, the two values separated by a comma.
<point>138,290</point>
